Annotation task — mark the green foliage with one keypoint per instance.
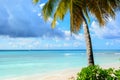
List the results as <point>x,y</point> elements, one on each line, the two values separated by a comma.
<point>61,10</point>
<point>117,73</point>
<point>48,9</point>
<point>97,73</point>
<point>80,11</point>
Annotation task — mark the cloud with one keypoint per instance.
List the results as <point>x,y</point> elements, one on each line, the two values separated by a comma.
<point>22,27</point>
<point>38,43</point>
<point>109,43</point>
<point>41,5</point>
<point>110,31</point>
<point>69,36</point>
<point>19,43</point>
<point>18,18</point>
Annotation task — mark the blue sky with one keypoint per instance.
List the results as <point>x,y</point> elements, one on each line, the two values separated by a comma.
<point>22,27</point>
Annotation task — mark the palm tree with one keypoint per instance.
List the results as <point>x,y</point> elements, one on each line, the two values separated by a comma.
<point>79,15</point>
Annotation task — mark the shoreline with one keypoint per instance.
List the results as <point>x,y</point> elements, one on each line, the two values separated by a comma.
<point>65,74</point>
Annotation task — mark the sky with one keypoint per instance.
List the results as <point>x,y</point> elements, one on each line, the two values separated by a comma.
<point>22,27</point>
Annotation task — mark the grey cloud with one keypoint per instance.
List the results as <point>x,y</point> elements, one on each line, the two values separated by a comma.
<point>17,19</point>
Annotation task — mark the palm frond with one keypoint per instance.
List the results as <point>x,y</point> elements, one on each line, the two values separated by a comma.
<point>80,10</point>
<point>48,9</point>
<point>83,5</point>
<point>108,8</point>
<point>61,10</point>
<point>77,18</point>
<point>71,16</point>
<point>95,9</point>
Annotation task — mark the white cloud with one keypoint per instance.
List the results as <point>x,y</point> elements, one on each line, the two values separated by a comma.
<point>39,14</point>
<point>69,36</point>
<point>38,43</point>
<point>109,43</point>
<point>34,10</point>
<point>56,39</point>
<point>19,43</point>
<point>41,5</point>
<point>66,44</point>
<point>77,44</point>
<point>96,29</point>
<point>110,31</point>
<point>117,41</point>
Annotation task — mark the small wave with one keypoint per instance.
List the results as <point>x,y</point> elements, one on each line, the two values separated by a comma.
<point>19,65</point>
<point>68,54</point>
<point>100,53</point>
<point>117,53</point>
<point>82,53</point>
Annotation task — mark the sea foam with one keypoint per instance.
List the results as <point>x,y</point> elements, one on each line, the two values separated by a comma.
<point>68,54</point>
<point>117,53</point>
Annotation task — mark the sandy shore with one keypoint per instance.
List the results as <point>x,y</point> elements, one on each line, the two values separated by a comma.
<point>60,75</point>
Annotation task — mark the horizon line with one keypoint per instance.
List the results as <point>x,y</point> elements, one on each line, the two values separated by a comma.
<point>52,49</point>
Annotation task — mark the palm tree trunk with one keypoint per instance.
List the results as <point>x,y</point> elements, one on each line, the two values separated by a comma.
<point>88,44</point>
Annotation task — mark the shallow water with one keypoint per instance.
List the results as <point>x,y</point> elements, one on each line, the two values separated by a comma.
<point>18,63</point>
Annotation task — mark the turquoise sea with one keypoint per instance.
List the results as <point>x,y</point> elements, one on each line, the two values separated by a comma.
<point>27,62</point>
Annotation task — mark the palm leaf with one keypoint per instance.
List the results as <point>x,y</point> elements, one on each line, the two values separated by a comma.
<point>61,10</point>
<point>77,18</point>
<point>79,11</point>
<point>48,9</point>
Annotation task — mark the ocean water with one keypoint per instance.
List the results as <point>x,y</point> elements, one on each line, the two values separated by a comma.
<point>20,63</point>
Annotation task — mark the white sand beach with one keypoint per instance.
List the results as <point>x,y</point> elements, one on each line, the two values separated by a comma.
<point>60,75</point>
